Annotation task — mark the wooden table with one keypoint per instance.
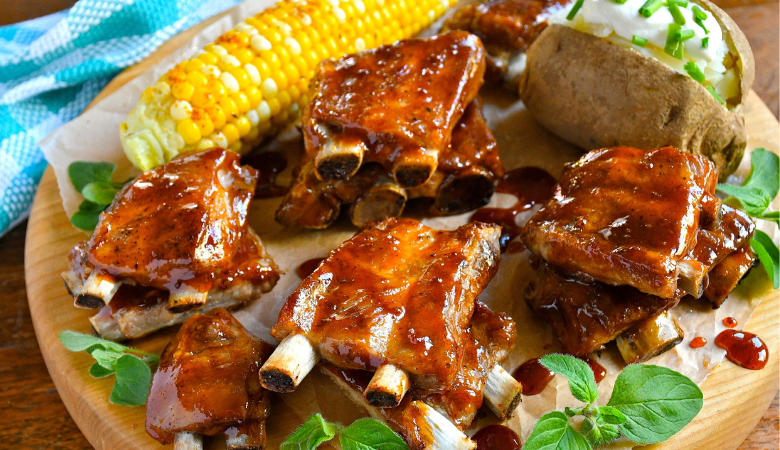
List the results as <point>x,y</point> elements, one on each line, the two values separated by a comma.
<point>35,415</point>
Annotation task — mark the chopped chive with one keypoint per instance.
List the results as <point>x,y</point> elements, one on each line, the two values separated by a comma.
<point>673,46</point>
<point>674,8</point>
<point>683,3</point>
<point>715,94</point>
<point>575,9</point>
<point>650,7</point>
<point>620,2</point>
<point>639,41</point>
<point>684,35</point>
<point>694,71</point>
<point>699,16</point>
<point>705,42</point>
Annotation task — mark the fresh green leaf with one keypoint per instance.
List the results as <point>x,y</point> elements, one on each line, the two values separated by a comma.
<point>581,380</point>
<point>91,207</point>
<point>133,378</point>
<point>599,434</point>
<point>79,342</point>
<point>370,434</point>
<point>753,199</point>
<point>84,220</point>
<point>82,173</point>
<point>99,371</point>
<point>100,192</point>
<point>657,402</point>
<point>772,216</point>
<point>553,432</point>
<point>761,187</point>
<point>768,254</point>
<point>310,434</point>
<point>611,415</point>
<point>106,358</point>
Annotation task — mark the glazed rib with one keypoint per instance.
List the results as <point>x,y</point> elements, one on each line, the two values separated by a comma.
<point>426,83</point>
<point>725,276</point>
<point>207,384</point>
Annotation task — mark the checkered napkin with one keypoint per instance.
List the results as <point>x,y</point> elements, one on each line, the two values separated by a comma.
<point>51,67</point>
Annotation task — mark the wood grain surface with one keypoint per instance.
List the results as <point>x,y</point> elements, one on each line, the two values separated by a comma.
<point>39,420</point>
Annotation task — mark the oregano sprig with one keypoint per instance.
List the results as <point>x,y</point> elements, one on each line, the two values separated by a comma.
<point>130,366</point>
<point>755,196</point>
<point>649,404</point>
<point>363,434</point>
<point>93,181</point>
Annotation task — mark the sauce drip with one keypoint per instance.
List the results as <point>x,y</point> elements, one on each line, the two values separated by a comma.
<point>599,372</point>
<point>270,165</point>
<point>307,267</point>
<point>533,376</point>
<point>531,185</point>
<point>730,322</point>
<point>496,437</point>
<point>743,349</point>
<point>698,342</point>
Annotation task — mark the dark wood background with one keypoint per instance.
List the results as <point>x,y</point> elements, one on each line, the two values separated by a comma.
<point>35,417</point>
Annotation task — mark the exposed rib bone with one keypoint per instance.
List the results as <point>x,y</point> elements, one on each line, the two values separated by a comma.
<point>97,290</point>
<point>444,435</point>
<point>711,213</point>
<point>336,159</point>
<point>502,392</point>
<point>188,441</point>
<point>292,360</point>
<point>250,435</point>
<point>380,202</point>
<point>692,277</point>
<point>387,387</point>
<point>187,299</point>
<point>465,191</point>
<point>649,338</point>
<point>415,168</point>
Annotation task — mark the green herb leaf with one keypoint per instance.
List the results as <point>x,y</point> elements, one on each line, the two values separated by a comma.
<point>106,359</point>
<point>772,216</point>
<point>84,220</point>
<point>598,434</point>
<point>673,45</point>
<point>639,41</point>
<point>133,378</point>
<point>761,186</point>
<point>650,7</point>
<point>310,434</point>
<point>712,92</point>
<point>370,434</point>
<point>768,254</point>
<point>575,9</point>
<point>582,383</point>
<point>553,432</point>
<point>81,173</point>
<point>674,8</point>
<point>657,402</point>
<point>693,70</point>
<point>753,199</point>
<point>705,42</point>
<point>79,342</point>
<point>612,415</point>
<point>99,371</point>
<point>100,192</point>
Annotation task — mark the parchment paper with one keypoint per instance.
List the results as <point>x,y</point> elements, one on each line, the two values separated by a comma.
<point>94,136</point>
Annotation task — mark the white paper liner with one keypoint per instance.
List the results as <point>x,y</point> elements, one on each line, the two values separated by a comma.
<point>94,136</point>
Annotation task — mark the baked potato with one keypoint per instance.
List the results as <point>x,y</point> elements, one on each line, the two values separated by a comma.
<point>611,90</point>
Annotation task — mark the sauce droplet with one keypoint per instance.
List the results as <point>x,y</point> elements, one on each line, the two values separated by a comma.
<point>698,342</point>
<point>531,186</point>
<point>533,376</point>
<point>270,165</point>
<point>307,267</point>
<point>496,437</point>
<point>743,349</point>
<point>730,322</point>
<point>599,372</point>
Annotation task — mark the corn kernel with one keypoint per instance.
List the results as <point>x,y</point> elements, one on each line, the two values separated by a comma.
<point>208,58</point>
<point>148,94</point>
<point>244,55</point>
<point>216,88</point>
<point>281,80</point>
<point>218,50</point>
<point>194,65</point>
<point>205,144</point>
<point>292,45</point>
<point>262,68</point>
<point>231,133</point>
<point>205,125</point>
<point>294,92</point>
<point>252,73</point>
<point>263,111</point>
<point>211,71</point>
<point>269,88</point>
<point>219,139</point>
<point>260,43</point>
<point>188,131</point>
<point>230,82</point>
<point>274,106</point>
<point>217,116</point>
<point>183,91</point>
<point>230,61</point>
<point>196,78</point>
<point>180,110</point>
<point>253,134</point>
<point>292,74</point>
<point>272,59</point>
<point>235,146</point>
<point>254,95</point>
<point>228,106</point>
<point>243,125</point>
<point>242,103</point>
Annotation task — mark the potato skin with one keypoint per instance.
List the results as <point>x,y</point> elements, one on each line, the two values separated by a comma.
<point>595,94</point>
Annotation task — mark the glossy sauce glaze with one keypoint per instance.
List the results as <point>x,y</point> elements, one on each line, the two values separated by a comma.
<point>730,322</point>
<point>496,437</point>
<point>531,186</point>
<point>307,267</point>
<point>270,165</point>
<point>698,342</point>
<point>599,372</point>
<point>743,349</point>
<point>533,376</point>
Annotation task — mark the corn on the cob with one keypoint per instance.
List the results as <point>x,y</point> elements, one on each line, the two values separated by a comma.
<point>254,79</point>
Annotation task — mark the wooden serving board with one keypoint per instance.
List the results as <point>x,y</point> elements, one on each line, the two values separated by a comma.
<point>734,398</point>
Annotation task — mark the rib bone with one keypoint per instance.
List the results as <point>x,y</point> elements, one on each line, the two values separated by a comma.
<point>465,191</point>
<point>187,299</point>
<point>188,441</point>
<point>415,168</point>
<point>337,160</point>
<point>388,387</point>
<point>692,277</point>
<point>292,360</point>
<point>649,338</point>
<point>97,290</point>
<point>502,392</point>
<point>383,200</point>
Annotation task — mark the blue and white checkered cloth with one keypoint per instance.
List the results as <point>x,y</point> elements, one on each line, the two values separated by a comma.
<point>52,67</point>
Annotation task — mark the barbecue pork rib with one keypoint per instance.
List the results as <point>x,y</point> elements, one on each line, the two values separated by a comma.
<point>395,105</point>
<point>397,293</point>
<point>464,180</point>
<point>625,216</point>
<point>490,338</point>
<point>725,276</point>
<point>207,384</point>
<point>507,28</point>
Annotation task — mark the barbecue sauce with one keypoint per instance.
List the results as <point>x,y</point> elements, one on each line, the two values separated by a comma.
<point>531,186</point>
<point>307,267</point>
<point>599,372</point>
<point>698,342</point>
<point>496,437</point>
<point>533,376</point>
<point>730,322</point>
<point>270,165</point>
<point>743,349</point>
